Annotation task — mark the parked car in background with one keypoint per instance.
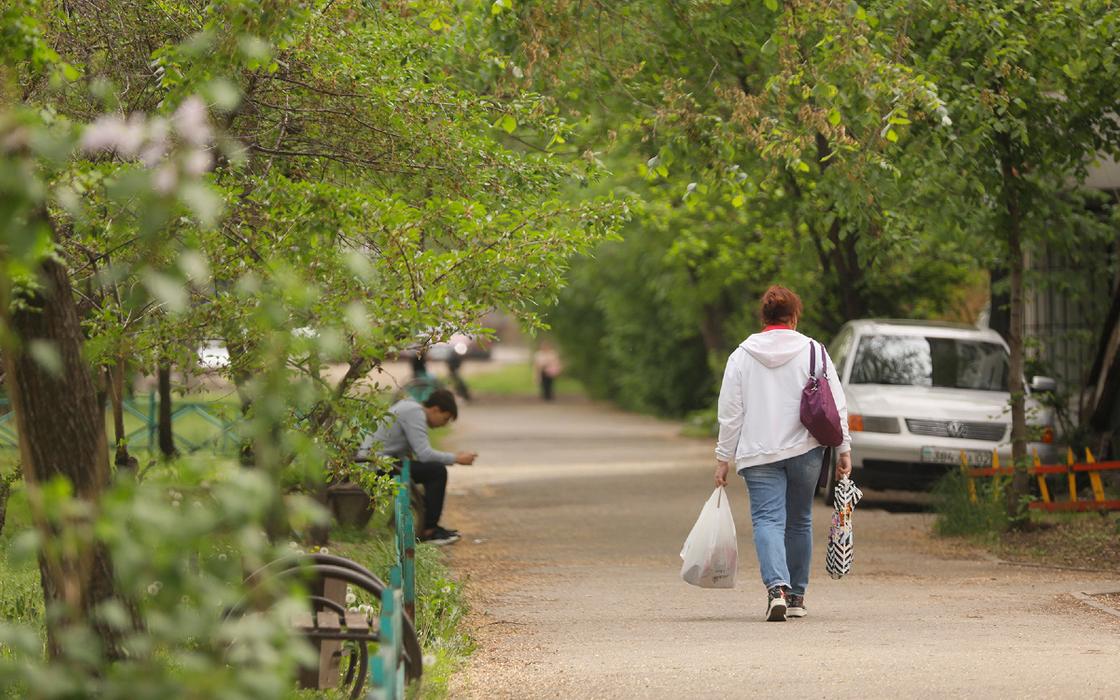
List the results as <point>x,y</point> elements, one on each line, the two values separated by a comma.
<point>466,346</point>
<point>920,393</point>
<point>213,355</point>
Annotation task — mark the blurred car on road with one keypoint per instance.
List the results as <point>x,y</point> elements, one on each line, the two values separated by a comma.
<point>921,393</point>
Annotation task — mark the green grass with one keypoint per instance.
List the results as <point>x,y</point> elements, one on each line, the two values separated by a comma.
<point>957,516</point>
<point>21,597</point>
<point>518,379</point>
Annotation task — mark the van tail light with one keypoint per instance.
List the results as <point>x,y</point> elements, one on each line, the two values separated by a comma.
<point>855,423</point>
<point>1048,435</point>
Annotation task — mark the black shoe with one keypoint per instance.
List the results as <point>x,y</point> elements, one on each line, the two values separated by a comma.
<point>776,604</point>
<point>440,536</point>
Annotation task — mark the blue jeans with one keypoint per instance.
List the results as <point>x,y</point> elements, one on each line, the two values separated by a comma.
<point>782,513</point>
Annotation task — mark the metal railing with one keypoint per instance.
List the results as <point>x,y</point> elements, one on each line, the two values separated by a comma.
<point>224,435</point>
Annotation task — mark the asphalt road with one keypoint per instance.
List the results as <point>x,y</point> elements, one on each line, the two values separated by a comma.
<point>573,518</point>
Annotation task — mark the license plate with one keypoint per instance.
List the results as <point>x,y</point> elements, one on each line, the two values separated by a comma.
<point>940,455</point>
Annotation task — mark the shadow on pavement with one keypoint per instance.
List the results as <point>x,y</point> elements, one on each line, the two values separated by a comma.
<point>896,501</point>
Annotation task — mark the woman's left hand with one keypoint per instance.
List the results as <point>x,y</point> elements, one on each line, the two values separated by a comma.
<point>721,473</point>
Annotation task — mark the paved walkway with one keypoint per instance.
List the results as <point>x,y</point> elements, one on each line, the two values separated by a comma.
<point>573,519</point>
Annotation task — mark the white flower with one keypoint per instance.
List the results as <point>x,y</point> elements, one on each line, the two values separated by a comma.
<point>197,162</point>
<point>324,550</point>
<point>351,599</point>
<point>110,132</point>
<point>165,178</point>
<point>191,122</point>
<point>155,148</point>
<point>154,587</point>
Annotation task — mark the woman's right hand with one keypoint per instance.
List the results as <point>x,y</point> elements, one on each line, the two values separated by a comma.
<point>844,466</point>
<point>721,473</point>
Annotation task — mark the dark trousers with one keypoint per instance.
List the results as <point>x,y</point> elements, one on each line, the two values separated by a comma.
<point>433,477</point>
<point>546,386</point>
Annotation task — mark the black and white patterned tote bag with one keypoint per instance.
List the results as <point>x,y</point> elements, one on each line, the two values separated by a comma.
<point>840,550</point>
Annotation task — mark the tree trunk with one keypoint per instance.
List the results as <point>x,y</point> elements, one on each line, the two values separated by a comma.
<point>61,435</point>
<point>1015,339</point>
<point>116,400</point>
<point>999,313</point>
<point>165,432</point>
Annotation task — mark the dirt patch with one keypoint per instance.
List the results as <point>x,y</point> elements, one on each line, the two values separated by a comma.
<point>1112,600</point>
<point>1088,541</point>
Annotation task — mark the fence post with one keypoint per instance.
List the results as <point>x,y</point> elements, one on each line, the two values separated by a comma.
<point>968,477</point>
<point>996,483</point>
<point>152,422</point>
<point>1071,477</point>
<point>406,541</point>
<point>386,668</point>
<point>1094,477</point>
<point>1042,488</point>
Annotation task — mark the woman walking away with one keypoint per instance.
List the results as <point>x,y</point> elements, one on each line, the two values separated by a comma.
<point>760,430</point>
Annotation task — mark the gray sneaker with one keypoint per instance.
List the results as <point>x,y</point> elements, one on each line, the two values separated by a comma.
<point>795,605</point>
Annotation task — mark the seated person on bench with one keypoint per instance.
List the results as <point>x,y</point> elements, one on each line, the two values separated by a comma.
<point>405,435</point>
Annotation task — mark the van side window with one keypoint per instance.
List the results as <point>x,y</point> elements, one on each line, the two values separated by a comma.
<point>840,349</point>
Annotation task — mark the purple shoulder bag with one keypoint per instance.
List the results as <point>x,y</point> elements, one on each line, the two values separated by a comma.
<point>818,408</point>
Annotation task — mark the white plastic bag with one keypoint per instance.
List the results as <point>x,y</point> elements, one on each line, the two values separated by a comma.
<point>711,552</point>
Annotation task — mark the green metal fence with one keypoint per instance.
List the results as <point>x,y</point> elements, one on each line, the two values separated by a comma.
<point>195,425</point>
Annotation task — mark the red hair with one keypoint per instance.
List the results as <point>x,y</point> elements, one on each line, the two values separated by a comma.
<point>779,306</point>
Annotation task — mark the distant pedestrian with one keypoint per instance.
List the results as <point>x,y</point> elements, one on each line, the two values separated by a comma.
<point>760,430</point>
<point>420,365</point>
<point>548,367</point>
<point>454,363</point>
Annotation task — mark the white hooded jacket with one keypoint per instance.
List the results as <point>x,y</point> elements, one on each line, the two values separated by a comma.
<point>760,400</point>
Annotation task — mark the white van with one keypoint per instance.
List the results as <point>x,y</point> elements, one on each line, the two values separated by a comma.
<point>919,393</point>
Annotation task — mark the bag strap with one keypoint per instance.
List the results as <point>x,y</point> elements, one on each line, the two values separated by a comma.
<point>813,361</point>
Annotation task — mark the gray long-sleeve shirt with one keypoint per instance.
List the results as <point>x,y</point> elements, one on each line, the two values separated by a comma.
<point>404,435</point>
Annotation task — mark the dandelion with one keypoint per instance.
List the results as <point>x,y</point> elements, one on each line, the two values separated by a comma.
<point>324,550</point>
<point>351,599</point>
<point>154,587</point>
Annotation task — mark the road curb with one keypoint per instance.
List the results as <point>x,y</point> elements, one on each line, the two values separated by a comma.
<point>1088,599</point>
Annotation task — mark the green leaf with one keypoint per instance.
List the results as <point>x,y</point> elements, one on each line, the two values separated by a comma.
<point>771,5</point>
<point>737,201</point>
<point>506,123</point>
<point>892,135</point>
<point>834,117</point>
